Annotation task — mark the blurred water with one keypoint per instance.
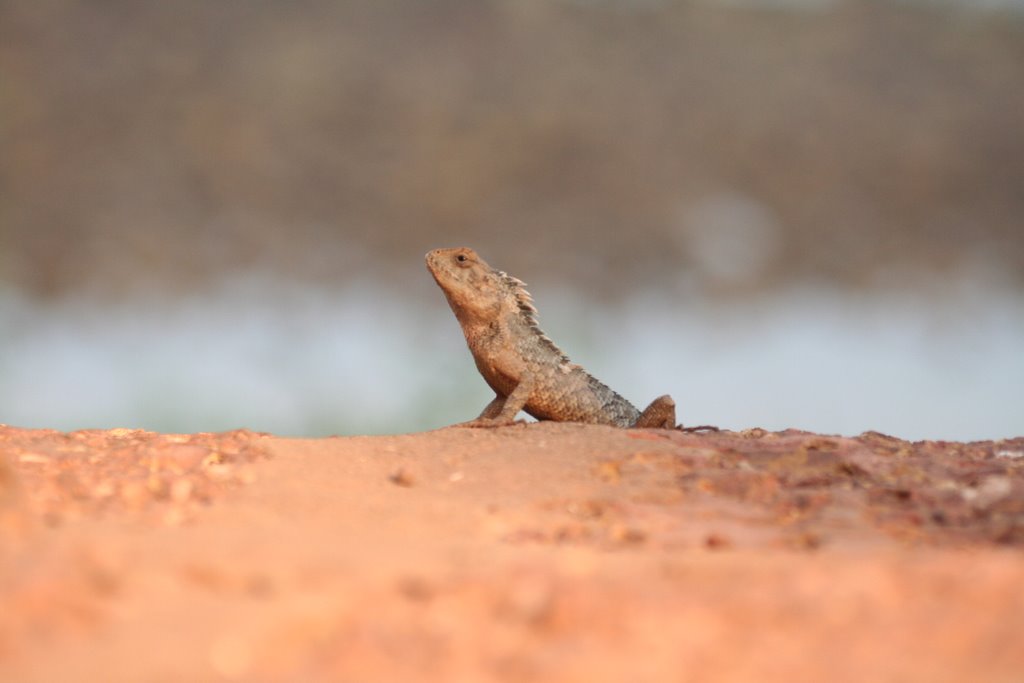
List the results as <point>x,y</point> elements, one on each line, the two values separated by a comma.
<point>264,355</point>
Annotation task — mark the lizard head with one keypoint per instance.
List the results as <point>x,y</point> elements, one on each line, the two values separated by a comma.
<point>474,290</point>
<point>479,294</point>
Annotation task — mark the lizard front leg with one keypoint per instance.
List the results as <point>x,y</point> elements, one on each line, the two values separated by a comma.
<point>493,409</point>
<point>502,410</point>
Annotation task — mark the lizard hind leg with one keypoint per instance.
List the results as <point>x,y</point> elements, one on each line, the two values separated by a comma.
<point>661,414</point>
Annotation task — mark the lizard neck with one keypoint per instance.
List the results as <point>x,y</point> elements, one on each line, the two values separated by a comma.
<point>481,334</point>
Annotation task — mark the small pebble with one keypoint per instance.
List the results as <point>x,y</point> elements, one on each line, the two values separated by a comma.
<point>400,477</point>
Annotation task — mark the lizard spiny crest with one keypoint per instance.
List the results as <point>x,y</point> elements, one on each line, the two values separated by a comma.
<point>524,301</point>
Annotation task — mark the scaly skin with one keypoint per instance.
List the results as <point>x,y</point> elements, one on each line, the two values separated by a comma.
<point>525,368</point>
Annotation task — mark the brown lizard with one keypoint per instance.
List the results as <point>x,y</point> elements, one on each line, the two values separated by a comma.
<point>523,366</point>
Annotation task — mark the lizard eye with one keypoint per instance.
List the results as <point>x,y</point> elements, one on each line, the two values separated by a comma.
<point>461,258</point>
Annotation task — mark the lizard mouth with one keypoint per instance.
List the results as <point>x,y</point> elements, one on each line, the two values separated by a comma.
<point>431,259</point>
<point>434,267</point>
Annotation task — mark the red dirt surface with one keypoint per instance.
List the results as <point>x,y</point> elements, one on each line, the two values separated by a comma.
<point>543,552</point>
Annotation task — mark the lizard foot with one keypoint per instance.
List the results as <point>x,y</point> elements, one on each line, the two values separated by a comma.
<point>489,423</point>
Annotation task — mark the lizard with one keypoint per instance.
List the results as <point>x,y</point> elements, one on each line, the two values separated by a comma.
<point>523,366</point>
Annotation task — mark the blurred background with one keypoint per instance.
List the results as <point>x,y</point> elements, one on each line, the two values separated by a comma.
<point>785,213</point>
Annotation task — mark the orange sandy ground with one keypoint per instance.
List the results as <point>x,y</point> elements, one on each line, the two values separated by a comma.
<point>543,552</point>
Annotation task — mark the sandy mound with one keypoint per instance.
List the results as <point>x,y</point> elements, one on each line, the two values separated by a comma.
<point>542,552</point>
